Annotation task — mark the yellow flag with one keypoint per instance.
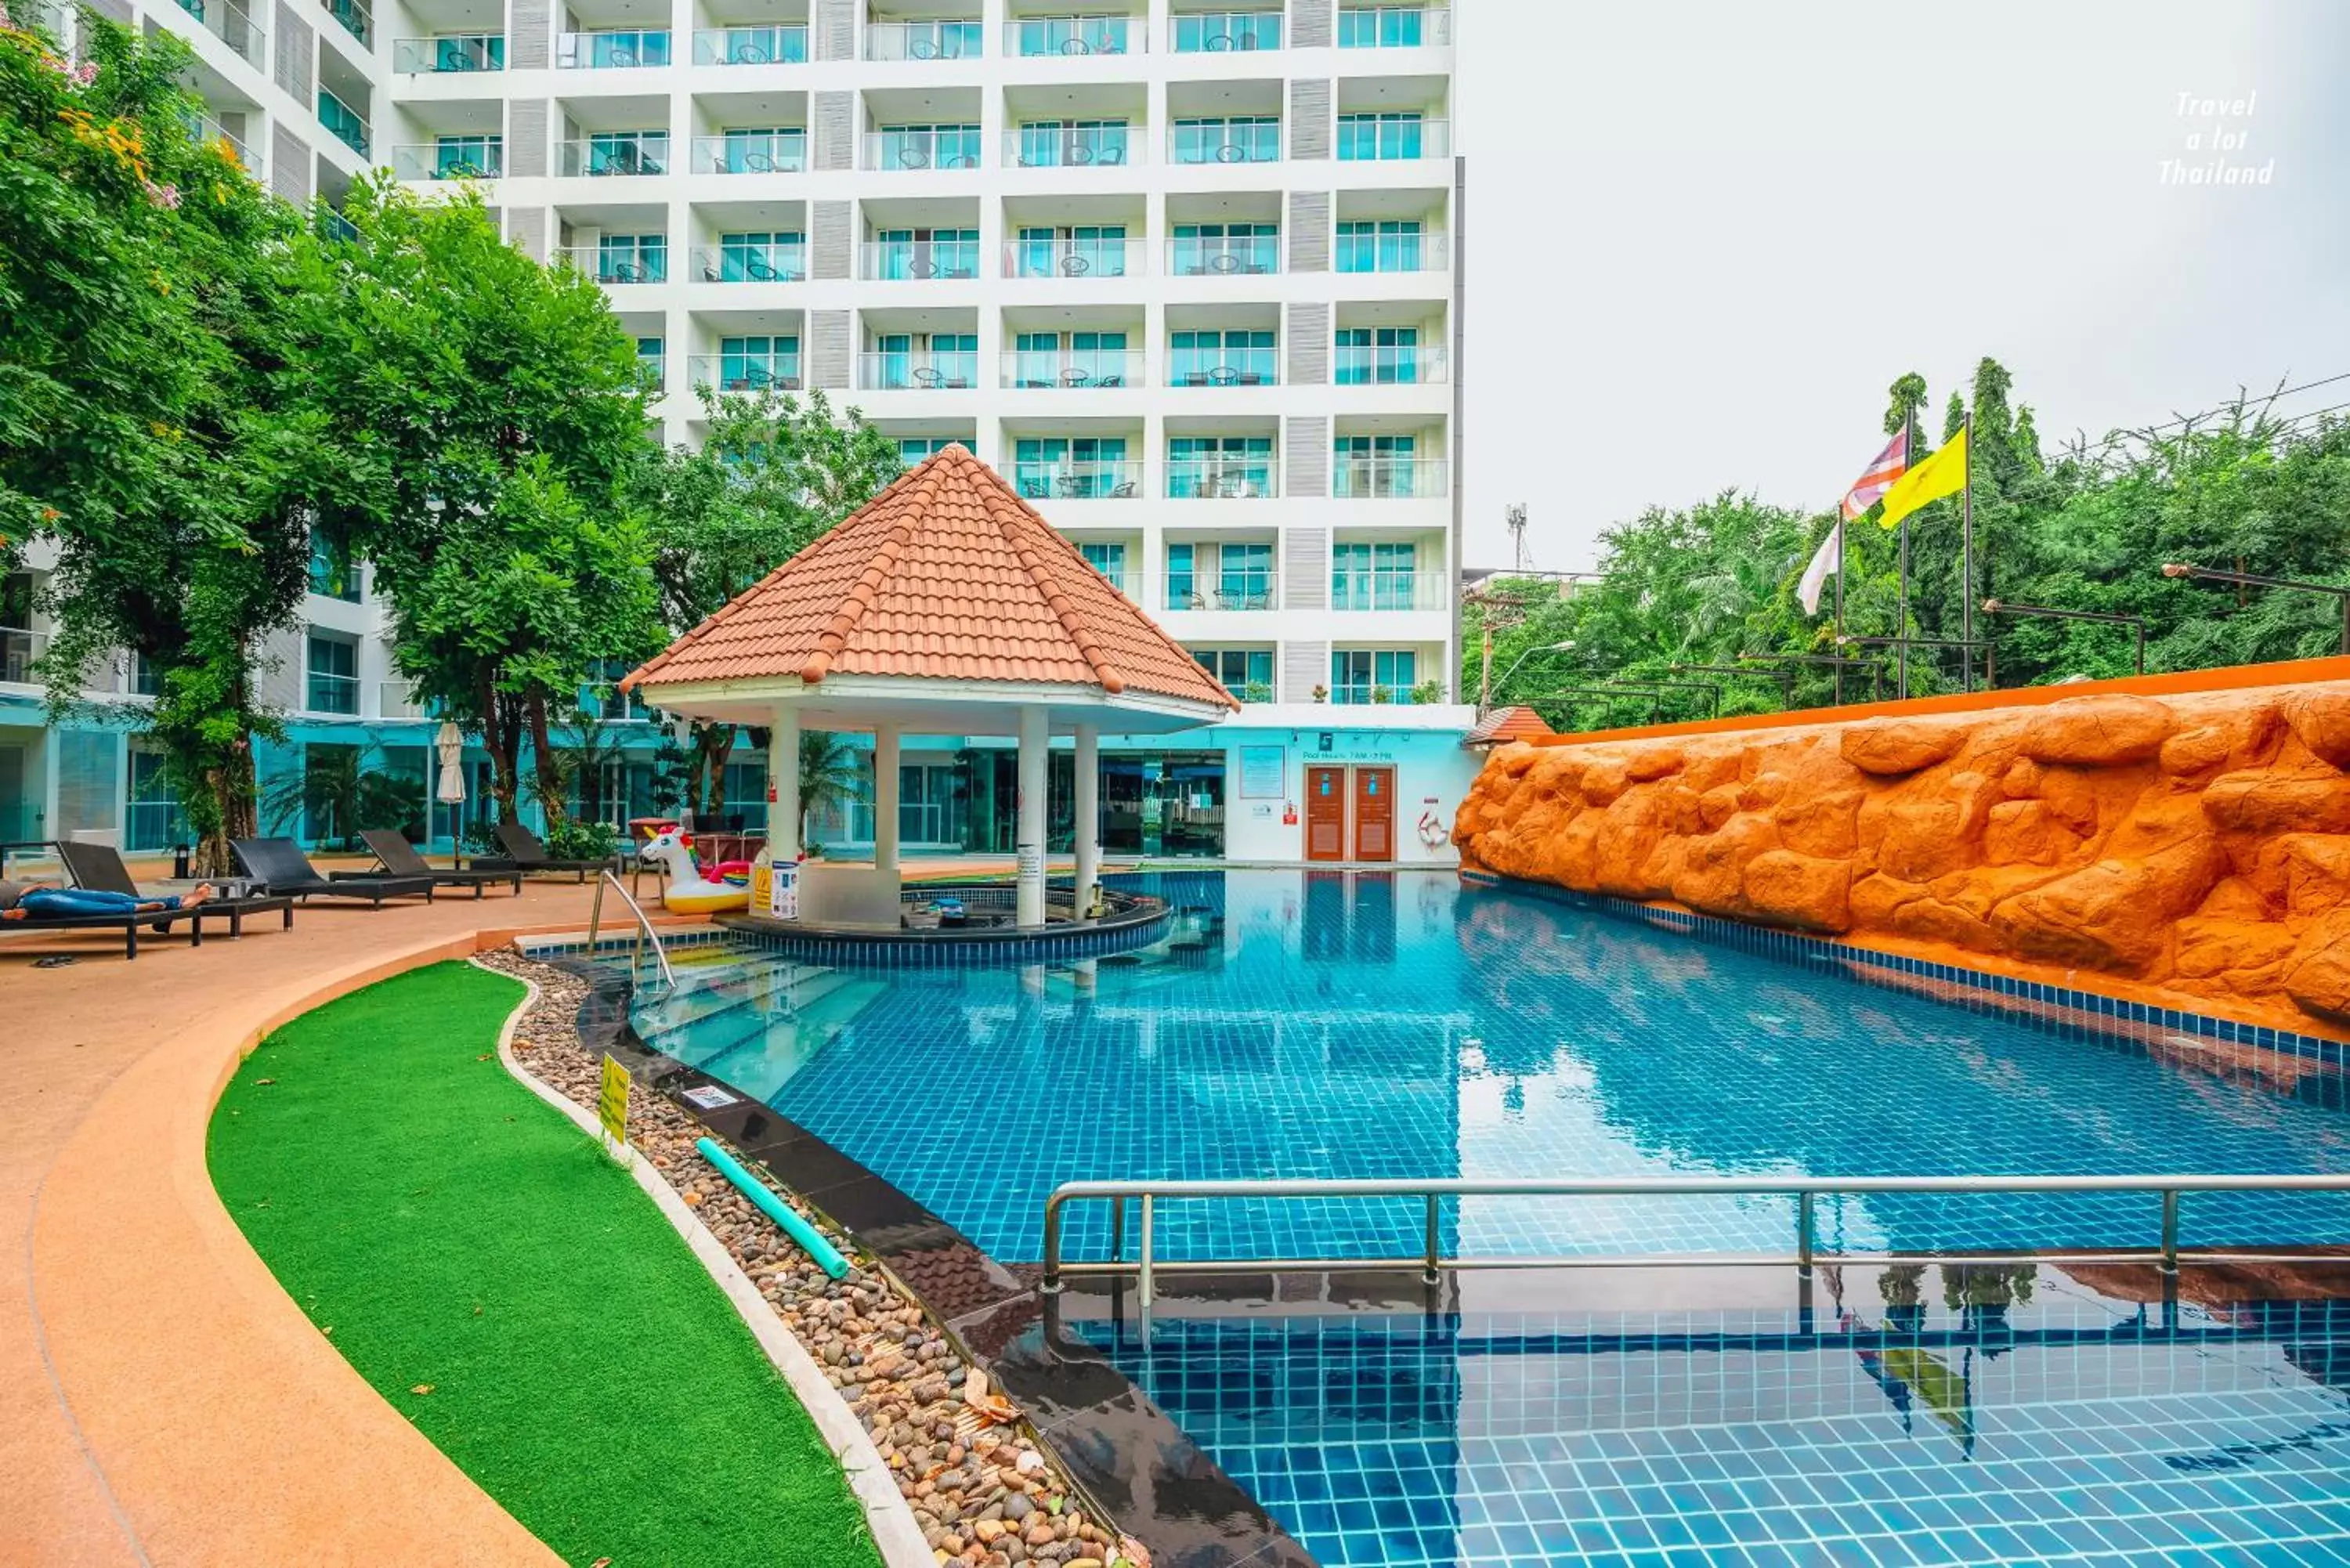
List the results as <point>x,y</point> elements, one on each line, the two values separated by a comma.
<point>1944,474</point>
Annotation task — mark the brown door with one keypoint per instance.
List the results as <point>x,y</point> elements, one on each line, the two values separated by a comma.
<point>1325,814</point>
<point>1375,814</point>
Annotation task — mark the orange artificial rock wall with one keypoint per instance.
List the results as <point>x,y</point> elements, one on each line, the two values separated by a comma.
<point>2198,845</point>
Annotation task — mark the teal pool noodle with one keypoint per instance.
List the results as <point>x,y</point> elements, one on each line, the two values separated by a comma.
<point>828,1256</point>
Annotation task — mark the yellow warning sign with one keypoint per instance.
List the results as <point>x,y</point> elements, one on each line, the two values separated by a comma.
<point>612,1102</point>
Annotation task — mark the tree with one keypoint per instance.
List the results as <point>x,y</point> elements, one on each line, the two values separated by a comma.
<point>831,773</point>
<point>775,473</point>
<point>144,284</point>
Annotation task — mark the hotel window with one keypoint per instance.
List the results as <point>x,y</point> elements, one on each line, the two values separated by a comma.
<point>916,450</point>
<point>1390,245</point>
<point>762,46</point>
<point>1381,27</point>
<point>776,149</point>
<point>1220,32</point>
<point>607,51</point>
<point>155,819</point>
<point>1072,143</point>
<point>1233,358</point>
<point>1375,356</point>
<point>632,258</point>
<point>926,252</point>
<point>903,360</point>
<point>1367,466</point>
<point>334,675</point>
<point>1236,139</point>
<point>1109,560</point>
<point>468,157</point>
<point>1181,587</point>
<point>1244,576</point>
<point>1083,250</point>
<point>1240,668</point>
<point>1373,576</point>
<point>1366,137</point>
<point>332,573</point>
<point>929,147</point>
<point>627,152</point>
<point>1209,248</point>
<point>754,364</point>
<point>1200,466</point>
<point>765,256</point>
<point>1070,360</point>
<point>1073,468</point>
<point>1071,35</point>
<point>649,362</point>
<point>1362,675</point>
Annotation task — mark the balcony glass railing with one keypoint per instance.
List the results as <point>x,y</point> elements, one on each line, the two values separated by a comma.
<point>746,372</point>
<point>398,699</point>
<point>898,261</point>
<point>1031,37</point>
<point>936,370</point>
<point>923,40</point>
<point>1224,143</point>
<point>751,152</point>
<point>456,52</point>
<point>1388,138</point>
<point>1073,258</point>
<point>1225,32</point>
<point>1078,481</point>
<point>1394,590</point>
<point>1377,247</point>
<point>1224,256</point>
<point>617,265</point>
<point>1211,479</point>
<point>1107,146</point>
<point>343,122</point>
<point>1194,368</point>
<point>19,651</point>
<point>224,19</point>
<point>955,148</point>
<point>784,44</point>
<point>1381,478</point>
<point>1393,27</point>
<point>639,152</point>
<point>475,158</point>
<point>751,264</point>
<point>1251,592</point>
<point>1073,369</point>
<point>356,19</point>
<point>1387,365</point>
<point>616,49</point>
<point>209,130</point>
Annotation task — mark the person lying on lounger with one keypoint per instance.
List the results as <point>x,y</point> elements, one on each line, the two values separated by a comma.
<point>38,901</point>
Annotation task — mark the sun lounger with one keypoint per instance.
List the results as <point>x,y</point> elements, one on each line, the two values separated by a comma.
<point>525,853</point>
<point>100,868</point>
<point>279,866</point>
<point>399,859</point>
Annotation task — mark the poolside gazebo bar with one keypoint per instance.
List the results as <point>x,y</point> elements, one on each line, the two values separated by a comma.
<point>945,607</point>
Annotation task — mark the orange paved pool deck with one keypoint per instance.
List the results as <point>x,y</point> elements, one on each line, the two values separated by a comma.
<point>162,1401</point>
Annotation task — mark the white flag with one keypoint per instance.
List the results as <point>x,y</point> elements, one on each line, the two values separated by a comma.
<point>1830,558</point>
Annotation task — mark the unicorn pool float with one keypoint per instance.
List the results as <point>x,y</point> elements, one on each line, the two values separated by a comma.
<point>692,889</point>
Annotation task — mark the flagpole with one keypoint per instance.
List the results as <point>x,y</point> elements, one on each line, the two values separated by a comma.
<point>1966,549</point>
<point>1901,612</point>
<point>1839,602</point>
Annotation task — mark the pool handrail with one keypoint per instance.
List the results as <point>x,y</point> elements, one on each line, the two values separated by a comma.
<point>645,932</point>
<point>1805,1190</point>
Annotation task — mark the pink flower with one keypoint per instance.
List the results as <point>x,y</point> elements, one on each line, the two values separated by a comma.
<point>86,72</point>
<point>162,195</point>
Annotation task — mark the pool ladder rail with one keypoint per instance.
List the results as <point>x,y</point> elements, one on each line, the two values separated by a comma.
<point>646,935</point>
<point>1432,1262</point>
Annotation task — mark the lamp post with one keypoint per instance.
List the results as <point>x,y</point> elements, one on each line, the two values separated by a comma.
<point>2211,574</point>
<point>1566,646</point>
<point>2000,606</point>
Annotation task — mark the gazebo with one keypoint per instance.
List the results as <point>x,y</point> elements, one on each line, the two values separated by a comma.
<point>944,607</point>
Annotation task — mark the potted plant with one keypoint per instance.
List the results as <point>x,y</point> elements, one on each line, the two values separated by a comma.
<point>1381,694</point>
<point>1321,694</point>
<point>1257,691</point>
<point>1428,691</point>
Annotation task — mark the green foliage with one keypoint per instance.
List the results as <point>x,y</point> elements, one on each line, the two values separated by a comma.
<point>571,839</point>
<point>831,773</point>
<point>336,793</point>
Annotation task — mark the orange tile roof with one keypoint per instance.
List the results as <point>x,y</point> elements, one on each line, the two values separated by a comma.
<point>947,573</point>
<point>1505,724</point>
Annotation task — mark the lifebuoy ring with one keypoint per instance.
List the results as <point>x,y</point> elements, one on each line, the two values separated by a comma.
<point>1433,831</point>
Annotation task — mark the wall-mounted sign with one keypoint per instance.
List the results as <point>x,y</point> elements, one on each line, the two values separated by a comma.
<point>1262,769</point>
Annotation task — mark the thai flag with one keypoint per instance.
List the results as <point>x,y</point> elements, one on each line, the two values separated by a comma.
<point>1879,477</point>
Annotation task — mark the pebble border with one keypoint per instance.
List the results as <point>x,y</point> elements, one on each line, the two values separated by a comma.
<point>967,1490</point>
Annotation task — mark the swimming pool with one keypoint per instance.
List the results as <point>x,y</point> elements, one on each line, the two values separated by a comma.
<point>1403,1026</point>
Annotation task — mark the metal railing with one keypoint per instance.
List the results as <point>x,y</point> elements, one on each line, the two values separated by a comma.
<point>20,650</point>
<point>1433,1261</point>
<point>224,19</point>
<point>645,932</point>
<point>356,17</point>
<point>346,124</point>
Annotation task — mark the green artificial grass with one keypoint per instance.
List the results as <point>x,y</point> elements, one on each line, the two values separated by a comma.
<point>451,1232</point>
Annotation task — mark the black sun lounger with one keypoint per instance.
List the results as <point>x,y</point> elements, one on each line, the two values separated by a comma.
<point>399,859</point>
<point>100,868</point>
<point>279,866</point>
<point>523,852</point>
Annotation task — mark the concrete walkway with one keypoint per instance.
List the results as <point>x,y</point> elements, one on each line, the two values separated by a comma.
<point>162,1401</point>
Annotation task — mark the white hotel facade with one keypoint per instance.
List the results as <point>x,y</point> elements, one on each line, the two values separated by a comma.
<point>1190,277</point>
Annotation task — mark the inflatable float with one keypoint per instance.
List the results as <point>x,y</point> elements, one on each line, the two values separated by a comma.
<point>723,888</point>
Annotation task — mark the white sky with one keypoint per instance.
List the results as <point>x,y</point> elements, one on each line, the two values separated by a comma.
<point>1689,268</point>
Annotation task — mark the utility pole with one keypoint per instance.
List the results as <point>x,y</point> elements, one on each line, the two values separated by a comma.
<point>1516,516</point>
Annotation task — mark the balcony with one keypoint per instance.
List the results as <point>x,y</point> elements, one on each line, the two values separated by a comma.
<point>20,650</point>
<point>750,152</point>
<point>1224,32</point>
<point>1393,27</point>
<point>1110,146</point>
<point>616,266</point>
<point>938,371</point>
<point>617,50</point>
<point>356,19</point>
<point>902,261</point>
<point>1255,368</point>
<point>745,372</point>
<point>1387,365</point>
<point>473,159</point>
<point>784,44</point>
<point>1074,369</point>
<point>343,122</point>
<point>208,128</point>
<point>1034,37</point>
<point>1246,256</point>
<point>1384,478</point>
<point>637,152</point>
<point>1078,481</point>
<point>922,148</point>
<point>923,40</point>
<point>1240,594</point>
<point>1376,590</point>
<point>226,21</point>
<point>1073,258</point>
<point>456,54</point>
<point>1219,143</point>
<point>751,264</point>
<point>1220,479</point>
<point>398,699</point>
<point>1392,138</point>
<point>1373,247</point>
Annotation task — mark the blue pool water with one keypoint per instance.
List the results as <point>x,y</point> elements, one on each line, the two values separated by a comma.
<point>1362,1025</point>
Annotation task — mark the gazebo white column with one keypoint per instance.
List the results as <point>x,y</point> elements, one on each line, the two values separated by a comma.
<point>784,785</point>
<point>1088,813</point>
<point>1035,741</point>
<point>885,797</point>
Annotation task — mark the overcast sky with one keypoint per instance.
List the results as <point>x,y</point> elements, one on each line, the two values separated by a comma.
<point>1691,265</point>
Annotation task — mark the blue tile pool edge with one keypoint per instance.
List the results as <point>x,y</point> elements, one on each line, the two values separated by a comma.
<point>2032,1002</point>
